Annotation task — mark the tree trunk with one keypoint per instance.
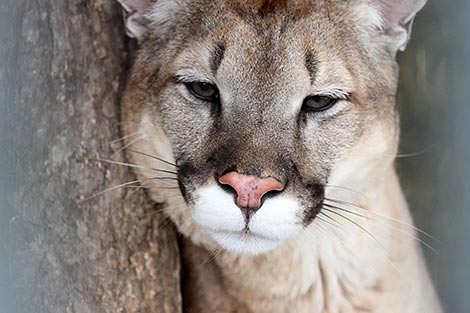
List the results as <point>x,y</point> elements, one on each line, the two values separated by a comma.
<point>61,75</point>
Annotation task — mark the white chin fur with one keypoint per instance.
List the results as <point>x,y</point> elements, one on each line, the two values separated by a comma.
<point>276,221</point>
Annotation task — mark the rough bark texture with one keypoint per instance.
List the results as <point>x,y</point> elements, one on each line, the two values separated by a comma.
<point>60,112</point>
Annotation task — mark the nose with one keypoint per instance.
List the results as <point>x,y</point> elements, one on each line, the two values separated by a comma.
<point>250,189</point>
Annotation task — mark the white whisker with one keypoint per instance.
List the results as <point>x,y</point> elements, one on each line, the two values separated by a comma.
<point>126,146</point>
<point>385,217</point>
<point>382,248</point>
<point>136,166</point>
<point>124,138</point>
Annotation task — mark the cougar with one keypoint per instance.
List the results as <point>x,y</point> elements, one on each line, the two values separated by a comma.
<point>268,129</point>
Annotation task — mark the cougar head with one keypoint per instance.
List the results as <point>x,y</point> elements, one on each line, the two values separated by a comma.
<point>261,106</point>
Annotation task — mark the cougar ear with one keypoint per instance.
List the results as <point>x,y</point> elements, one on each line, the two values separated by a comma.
<point>135,14</point>
<point>397,17</point>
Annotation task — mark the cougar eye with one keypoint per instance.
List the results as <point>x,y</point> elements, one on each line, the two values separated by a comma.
<point>318,103</point>
<point>204,91</point>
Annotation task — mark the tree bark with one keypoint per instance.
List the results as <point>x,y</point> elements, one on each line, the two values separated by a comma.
<point>62,72</point>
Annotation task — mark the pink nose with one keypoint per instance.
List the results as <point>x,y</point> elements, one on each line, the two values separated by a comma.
<point>250,189</point>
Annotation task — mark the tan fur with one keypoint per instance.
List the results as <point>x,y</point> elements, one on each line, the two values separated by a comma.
<point>333,266</point>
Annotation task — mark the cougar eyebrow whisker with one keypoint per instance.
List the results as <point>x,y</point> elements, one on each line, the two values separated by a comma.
<point>153,157</point>
<point>335,92</point>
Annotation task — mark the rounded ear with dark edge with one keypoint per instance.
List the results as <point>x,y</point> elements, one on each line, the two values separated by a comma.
<point>135,14</point>
<point>398,16</point>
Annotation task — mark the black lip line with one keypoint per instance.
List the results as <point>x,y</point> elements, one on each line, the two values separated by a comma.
<point>243,232</point>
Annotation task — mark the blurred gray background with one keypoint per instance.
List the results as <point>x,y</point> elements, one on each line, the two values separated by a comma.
<point>435,117</point>
<point>434,169</point>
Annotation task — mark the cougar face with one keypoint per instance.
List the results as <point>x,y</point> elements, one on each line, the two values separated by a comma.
<point>262,105</point>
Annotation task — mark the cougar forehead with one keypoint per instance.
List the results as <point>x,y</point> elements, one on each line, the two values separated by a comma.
<point>264,58</point>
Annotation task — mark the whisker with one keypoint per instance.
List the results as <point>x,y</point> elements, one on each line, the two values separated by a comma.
<point>330,235</point>
<point>385,217</point>
<point>156,211</point>
<point>136,166</point>
<point>321,231</point>
<point>212,255</point>
<point>153,157</point>
<point>126,146</point>
<point>120,163</point>
<point>427,245</point>
<point>337,225</point>
<point>297,241</point>
<point>384,250</point>
<point>345,210</point>
<point>147,187</point>
<point>112,188</point>
<point>160,177</point>
<point>125,137</point>
<point>334,236</point>
<point>165,220</point>
<point>267,257</point>
<point>163,178</point>
<point>370,221</point>
<point>334,223</point>
<point>348,189</point>
<point>135,187</point>
<point>355,223</point>
<point>408,155</point>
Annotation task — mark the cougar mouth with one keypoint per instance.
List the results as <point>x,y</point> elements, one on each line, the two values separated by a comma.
<point>278,219</point>
<point>244,242</point>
